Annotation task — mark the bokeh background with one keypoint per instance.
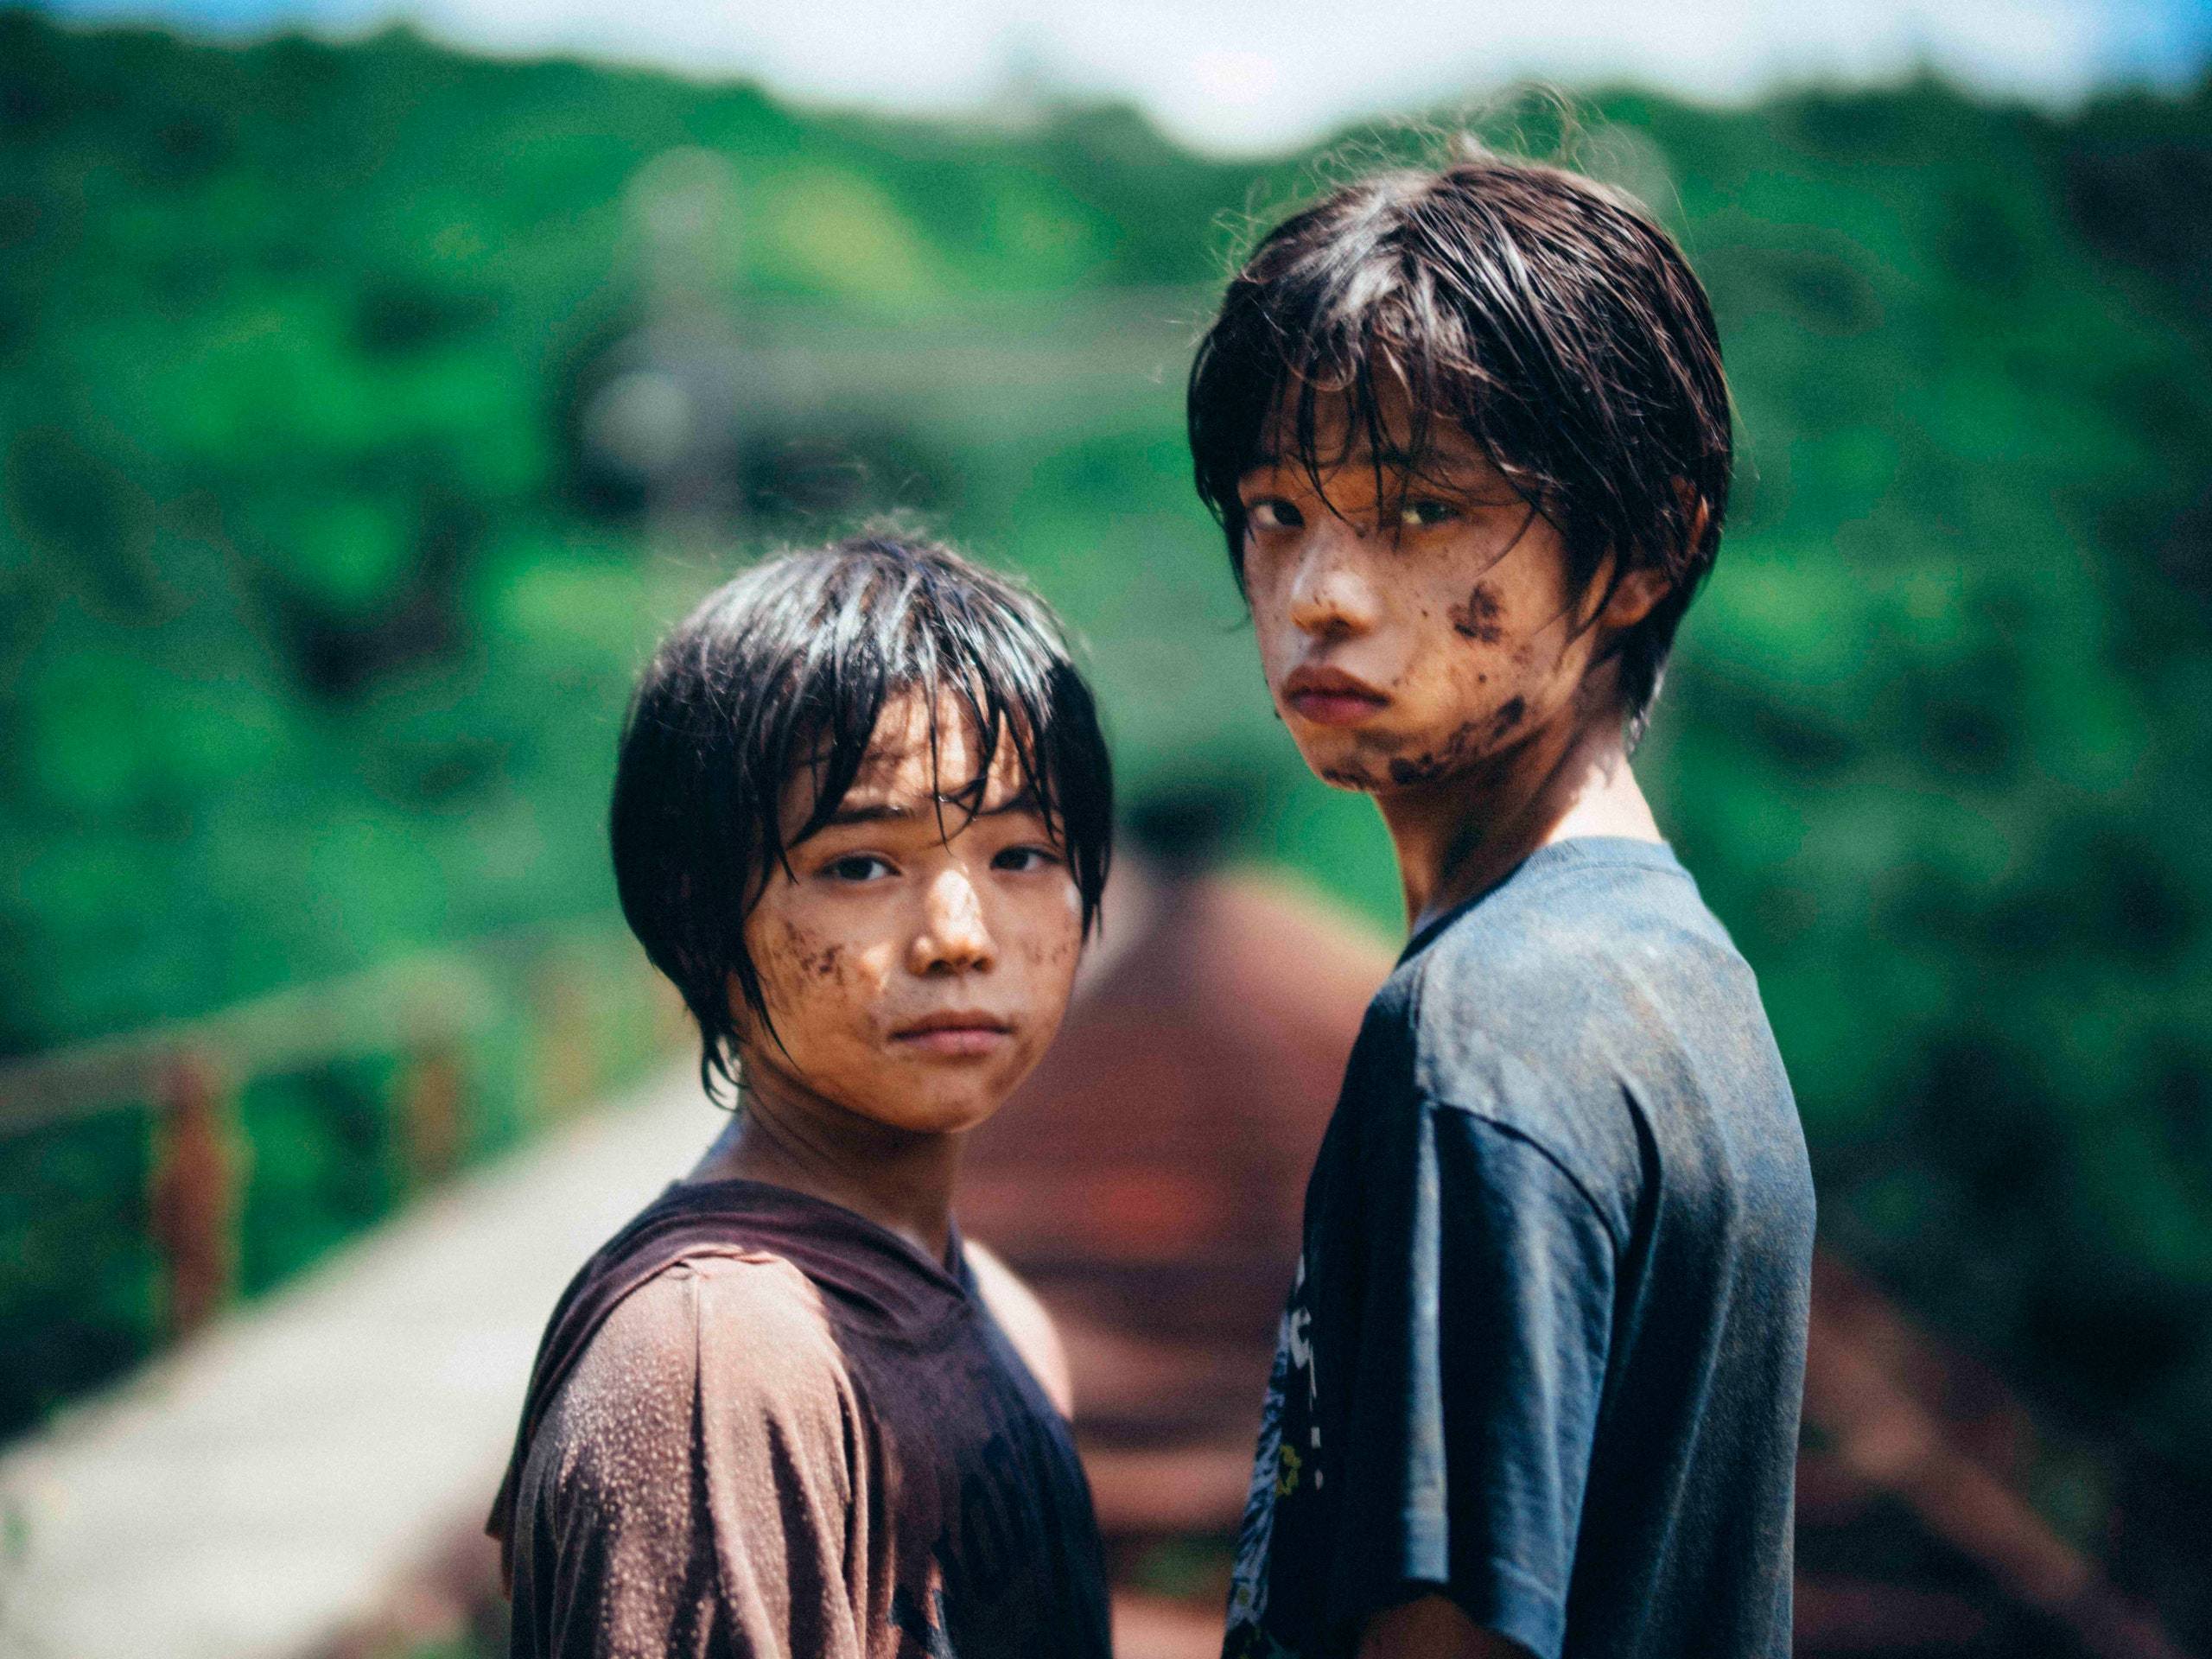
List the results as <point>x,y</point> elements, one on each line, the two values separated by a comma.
<point>370,398</point>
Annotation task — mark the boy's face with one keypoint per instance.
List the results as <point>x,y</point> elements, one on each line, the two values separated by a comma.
<point>1414,633</point>
<point>915,967</point>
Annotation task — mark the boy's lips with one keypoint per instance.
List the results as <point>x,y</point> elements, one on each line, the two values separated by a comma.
<point>1329,696</point>
<point>953,1033</point>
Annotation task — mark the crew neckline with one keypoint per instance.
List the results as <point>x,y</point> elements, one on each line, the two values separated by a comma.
<point>1576,852</point>
<point>954,1268</point>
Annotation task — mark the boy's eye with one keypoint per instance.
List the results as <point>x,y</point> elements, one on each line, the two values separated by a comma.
<point>858,867</point>
<point>1425,512</point>
<point>1272,513</point>
<point>1025,858</point>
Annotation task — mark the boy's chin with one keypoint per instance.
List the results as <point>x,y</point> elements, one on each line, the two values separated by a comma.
<point>1347,768</point>
<point>926,1113</point>
<point>1352,780</point>
<point>1401,761</point>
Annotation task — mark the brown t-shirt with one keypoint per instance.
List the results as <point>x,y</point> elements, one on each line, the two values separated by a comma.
<point>759,1424</point>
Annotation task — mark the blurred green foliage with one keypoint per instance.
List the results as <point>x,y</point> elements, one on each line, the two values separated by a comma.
<point>317,612</point>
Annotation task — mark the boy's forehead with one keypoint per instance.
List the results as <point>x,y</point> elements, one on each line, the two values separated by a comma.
<point>912,766</point>
<point>907,758</point>
<point>1342,437</point>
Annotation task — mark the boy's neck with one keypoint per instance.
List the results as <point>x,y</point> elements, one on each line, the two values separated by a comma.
<point>1461,836</point>
<point>901,1180</point>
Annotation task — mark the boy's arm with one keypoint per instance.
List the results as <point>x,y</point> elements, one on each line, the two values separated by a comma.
<point>1481,1359</point>
<point>1433,1628</point>
<point>1028,1325</point>
<point>690,1492</point>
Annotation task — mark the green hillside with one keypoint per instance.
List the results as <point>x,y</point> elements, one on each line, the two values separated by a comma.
<point>319,598</point>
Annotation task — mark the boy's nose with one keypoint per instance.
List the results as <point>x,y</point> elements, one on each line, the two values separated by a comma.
<point>1330,594</point>
<point>952,938</point>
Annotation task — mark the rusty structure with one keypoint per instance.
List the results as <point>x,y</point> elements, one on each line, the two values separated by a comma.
<point>426,1014</point>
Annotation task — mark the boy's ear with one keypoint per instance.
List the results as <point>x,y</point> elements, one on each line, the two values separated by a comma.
<point>1644,587</point>
<point>1697,512</point>
<point>1634,596</point>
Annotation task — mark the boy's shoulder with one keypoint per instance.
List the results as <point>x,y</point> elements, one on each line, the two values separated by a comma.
<point>1564,952</point>
<point>1028,1323</point>
<point>1588,912</point>
<point>1571,1000</point>
<point>725,1331</point>
<point>700,1361</point>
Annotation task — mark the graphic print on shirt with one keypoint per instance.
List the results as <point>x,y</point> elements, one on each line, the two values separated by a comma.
<point>921,1625</point>
<point>1285,1467</point>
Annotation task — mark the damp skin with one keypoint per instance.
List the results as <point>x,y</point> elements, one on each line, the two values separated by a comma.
<point>1435,585</point>
<point>911,910</point>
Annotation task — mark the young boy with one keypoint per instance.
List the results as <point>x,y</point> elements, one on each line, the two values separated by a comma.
<point>862,819</point>
<point>1538,1380</point>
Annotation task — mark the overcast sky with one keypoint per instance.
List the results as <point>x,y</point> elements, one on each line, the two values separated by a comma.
<point>1246,75</point>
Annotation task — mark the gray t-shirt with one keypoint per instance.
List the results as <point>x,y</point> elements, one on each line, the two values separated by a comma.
<point>1545,1351</point>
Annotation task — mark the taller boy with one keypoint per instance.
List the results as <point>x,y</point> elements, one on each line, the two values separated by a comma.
<point>1538,1381</point>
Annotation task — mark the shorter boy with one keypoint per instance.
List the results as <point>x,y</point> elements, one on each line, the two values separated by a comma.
<point>862,819</point>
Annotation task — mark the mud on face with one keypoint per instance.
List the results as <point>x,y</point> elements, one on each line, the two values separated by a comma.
<point>1481,616</point>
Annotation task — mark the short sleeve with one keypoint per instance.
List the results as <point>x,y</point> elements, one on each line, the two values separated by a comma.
<point>688,1494</point>
<point>1486,1291</point>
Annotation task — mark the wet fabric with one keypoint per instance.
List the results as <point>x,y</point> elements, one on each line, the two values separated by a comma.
<point>759,1424</point>
<point>1545,1351</point>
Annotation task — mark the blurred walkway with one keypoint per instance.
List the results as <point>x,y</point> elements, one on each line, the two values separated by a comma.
<point>273,1481</point>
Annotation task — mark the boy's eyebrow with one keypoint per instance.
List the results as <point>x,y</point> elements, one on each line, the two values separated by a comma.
<point>1024,800</point>
<point>1391,456</point>
<point>851,812</point>
<point>867,811</point>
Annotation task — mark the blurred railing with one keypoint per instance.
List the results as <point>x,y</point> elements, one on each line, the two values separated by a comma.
<point>466,1049</point>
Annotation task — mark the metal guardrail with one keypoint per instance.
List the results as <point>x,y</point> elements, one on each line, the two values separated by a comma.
<point>423,1010</point>
<point>403,1004</point>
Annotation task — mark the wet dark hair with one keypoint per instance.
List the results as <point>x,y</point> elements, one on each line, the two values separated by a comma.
<point>787,669</point>
<point>1543,313</point>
